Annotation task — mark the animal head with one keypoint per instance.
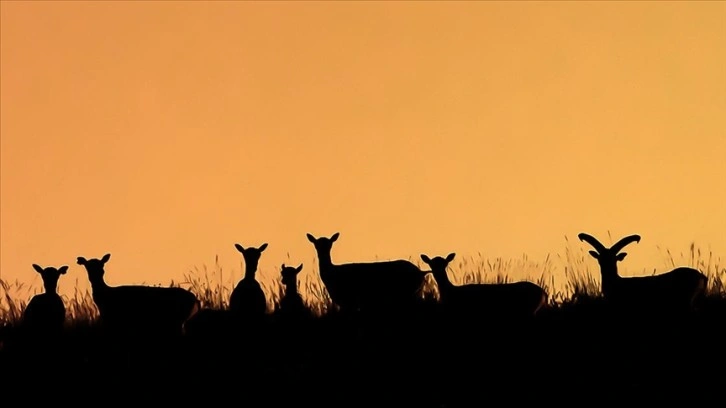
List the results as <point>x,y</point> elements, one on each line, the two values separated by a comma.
<point>608,257</point>
<point>438,264</point>
<point>50,276</point>
<point>251,255</point>
<point>323,244</point>
<point>289,274</point>
<point>94,267</point>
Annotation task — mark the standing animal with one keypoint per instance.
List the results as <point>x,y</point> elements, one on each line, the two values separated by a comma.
<point>292,305</point>
<point>45,314</point>
<point>506,300</point>
<point>136,309</point>
<point>673,291</point>
<point>384,285</point>
<point>248,299</point>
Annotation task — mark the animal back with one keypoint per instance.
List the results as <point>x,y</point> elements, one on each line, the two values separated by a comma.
<point>136,304</point>
<point>374,282</point>
<point>248,298</point>
<point>676,288</point>
<point>45,310</point>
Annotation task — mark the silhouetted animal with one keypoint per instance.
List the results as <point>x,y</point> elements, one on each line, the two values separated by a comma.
<point>518,299</point>
<point>674,291</point>
<point>137,309</point>
<point>45,314</point>
<point>292,305</point>
<point>248,299</point>
<point>377,285</point>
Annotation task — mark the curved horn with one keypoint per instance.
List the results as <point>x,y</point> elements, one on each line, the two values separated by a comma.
<point>600,248</point>
<point>623,242</point>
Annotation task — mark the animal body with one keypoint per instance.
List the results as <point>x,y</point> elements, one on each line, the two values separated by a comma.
<point>248,299</point>
<point>385,285</point>
<point>504,300</point>
<point>673,291</point>
<point>292,305</point>
<point>46,313</point>
<point>136,309</point>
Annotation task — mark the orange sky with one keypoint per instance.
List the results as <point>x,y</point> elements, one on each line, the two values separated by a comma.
<point>165,132</point>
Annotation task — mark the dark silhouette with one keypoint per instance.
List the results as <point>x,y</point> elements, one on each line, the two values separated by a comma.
<point>247,300</point>
<point>376,286</point>
<point>139,310</point>
<point>291,335</point>
<point>450,353</point>
<point>292,307</point>
<point>500,300</point>
<point>670,292</point>
<point>45,314</point>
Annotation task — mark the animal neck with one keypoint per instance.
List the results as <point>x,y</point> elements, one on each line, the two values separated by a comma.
<point>291,290</point>
<point>324,261</point>
<point>50,287</point>
<point>609,278</point>
<point>98,283</point>
<point>442,281</point>
<point>250,271</point>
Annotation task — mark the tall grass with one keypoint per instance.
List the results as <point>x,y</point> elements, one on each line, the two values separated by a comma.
<point>568,278</point>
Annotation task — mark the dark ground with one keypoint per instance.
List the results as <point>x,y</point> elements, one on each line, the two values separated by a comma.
<point>572,355</point>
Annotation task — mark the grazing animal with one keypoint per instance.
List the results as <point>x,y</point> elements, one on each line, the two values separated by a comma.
<point>517,300</point>
<point>45,314</point>
<point>372,285</point>
<point>248,299</point>
<point>673,291</point>
<point>136,309</point>
<point>292,305</point>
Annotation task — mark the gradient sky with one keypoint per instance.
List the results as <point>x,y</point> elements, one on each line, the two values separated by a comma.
<point>165,132</point>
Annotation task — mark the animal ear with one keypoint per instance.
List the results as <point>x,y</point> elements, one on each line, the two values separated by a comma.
<point>63,269</point>
<point>106,258</point>
<point>299,268</point>
<point>425,258</point>
<point>334,237</point>
<point>450,257</point>
<point>37,268</point>
<point>621,256</point>
<point>595,254</point>
<point>81,260</point>
<point>239,248</point>
<point>262,247</point>
<point>283,266</point>
<point>311,238</point>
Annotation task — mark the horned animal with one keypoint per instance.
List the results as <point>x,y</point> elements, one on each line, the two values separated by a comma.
<point>673,291</point>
